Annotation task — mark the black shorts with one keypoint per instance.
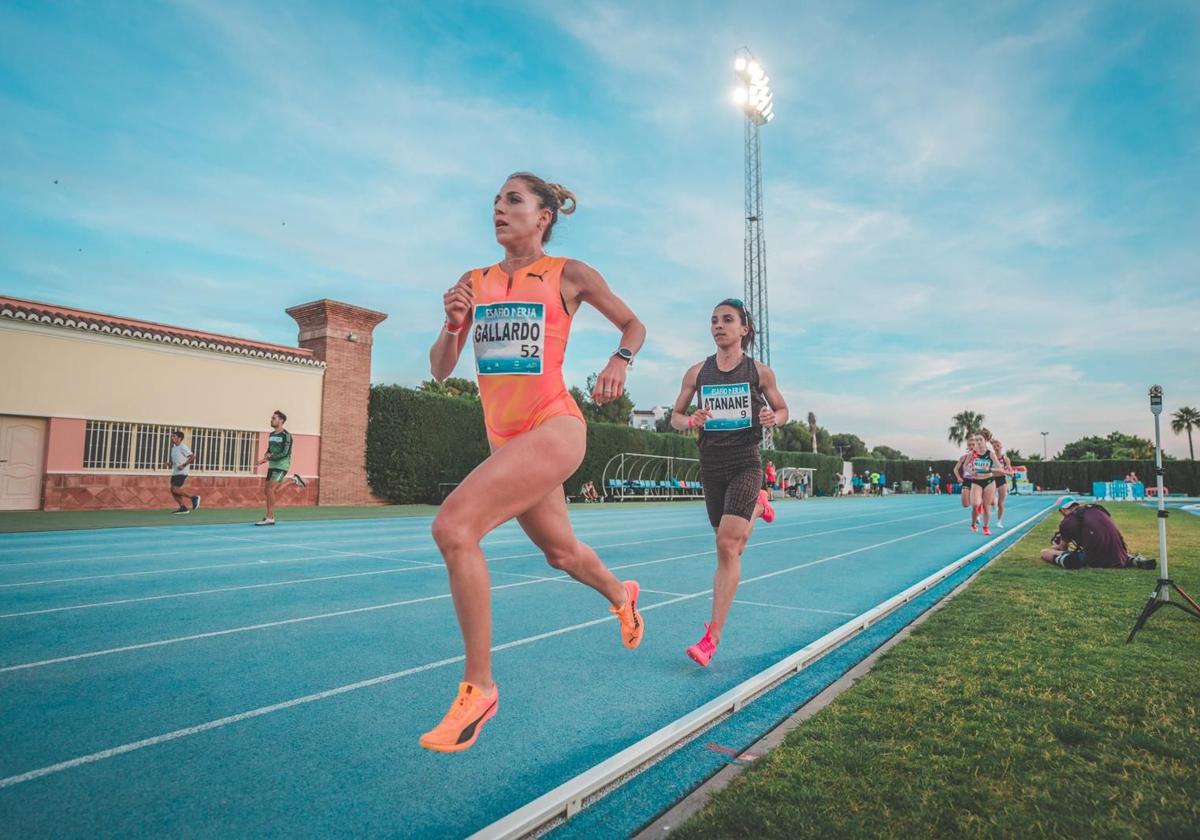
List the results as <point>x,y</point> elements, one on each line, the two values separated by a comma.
<point>276,475</point>
<point>967,482</point>
<point>177,480</point>
<point>732,481</point>
<point>1000,480</point>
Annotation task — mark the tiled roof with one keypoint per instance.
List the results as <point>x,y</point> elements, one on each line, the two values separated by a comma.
<point>79,319</point>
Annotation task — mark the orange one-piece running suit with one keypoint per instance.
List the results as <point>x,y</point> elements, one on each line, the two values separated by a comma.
<point>520,329</point>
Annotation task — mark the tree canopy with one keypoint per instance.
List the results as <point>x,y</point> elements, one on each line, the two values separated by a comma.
<point>453,386</point>
<point>1115,445</point>
<point>614,411</point>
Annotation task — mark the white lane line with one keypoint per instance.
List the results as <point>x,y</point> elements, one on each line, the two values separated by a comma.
<point>311,698</point>
<point>420,564</point>
<point>337,613</point>
<point>761,543</point>
<point>429,546</point>
<point>248,628</point>
<point>508,557</point>
<point>795,609</point>
<point>213,591</point>
<point>378,527</point>
<point>386,552</point>
<point>663,592</point>
<point>324,554</point>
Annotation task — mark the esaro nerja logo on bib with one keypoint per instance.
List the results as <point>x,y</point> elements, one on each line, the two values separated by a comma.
<point>730,406</point>
<point>510,338</point>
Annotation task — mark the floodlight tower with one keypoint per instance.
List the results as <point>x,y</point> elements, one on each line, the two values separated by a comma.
<point>752,94</point>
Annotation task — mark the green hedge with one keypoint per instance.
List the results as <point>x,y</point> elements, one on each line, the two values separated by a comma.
<point>825,466</point>
<point>908,470</point>
<point>417,439</point>
<point>1076,476</point>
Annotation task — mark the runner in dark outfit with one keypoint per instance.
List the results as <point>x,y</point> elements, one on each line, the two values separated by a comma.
<point>738,396</point>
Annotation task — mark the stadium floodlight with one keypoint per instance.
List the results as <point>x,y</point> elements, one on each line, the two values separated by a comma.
<point>1161,596</point>
<point>753,91</point>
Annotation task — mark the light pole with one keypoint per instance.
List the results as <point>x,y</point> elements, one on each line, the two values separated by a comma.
<point>1045,455</point>
<point>1161,596</point>
<point>752,94</point>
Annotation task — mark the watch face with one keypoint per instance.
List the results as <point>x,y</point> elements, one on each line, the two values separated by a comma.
<point>627,355</point>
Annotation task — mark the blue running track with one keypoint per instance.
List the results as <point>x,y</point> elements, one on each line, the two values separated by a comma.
<point>222,680</point>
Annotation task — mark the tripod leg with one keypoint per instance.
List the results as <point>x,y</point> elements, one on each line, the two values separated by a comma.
<point>1188,598</point>
<point>1147,611</point>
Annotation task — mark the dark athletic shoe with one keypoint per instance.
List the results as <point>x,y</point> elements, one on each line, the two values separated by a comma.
<point>300,482</point>
<point>182,509</point>
<point>195,502</point>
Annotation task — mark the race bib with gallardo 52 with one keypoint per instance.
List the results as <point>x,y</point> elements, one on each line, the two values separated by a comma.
<point>510,338</point>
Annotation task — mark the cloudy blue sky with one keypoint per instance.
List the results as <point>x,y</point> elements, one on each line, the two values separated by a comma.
<point>987,206</point>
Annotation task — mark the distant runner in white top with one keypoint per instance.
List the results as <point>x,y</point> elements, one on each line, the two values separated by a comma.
<point>181,466</point>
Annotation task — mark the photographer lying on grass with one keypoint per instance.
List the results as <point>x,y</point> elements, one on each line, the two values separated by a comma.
<point>1087,536</point>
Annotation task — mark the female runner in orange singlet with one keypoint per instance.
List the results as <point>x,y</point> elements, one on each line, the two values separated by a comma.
<point>518,315</point>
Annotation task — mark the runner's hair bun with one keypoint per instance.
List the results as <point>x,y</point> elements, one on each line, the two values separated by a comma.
<point>563,195</point>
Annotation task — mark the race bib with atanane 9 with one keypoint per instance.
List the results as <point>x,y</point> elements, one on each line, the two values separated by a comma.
<point>730,406</point>
<point>510,338</point>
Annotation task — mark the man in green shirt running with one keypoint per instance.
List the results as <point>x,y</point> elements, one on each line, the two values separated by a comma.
<point>278,459</point>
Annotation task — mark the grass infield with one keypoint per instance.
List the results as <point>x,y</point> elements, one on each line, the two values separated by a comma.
<point>1016,711</point>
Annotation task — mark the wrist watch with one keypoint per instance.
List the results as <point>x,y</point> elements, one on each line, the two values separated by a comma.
<point>625,355</point>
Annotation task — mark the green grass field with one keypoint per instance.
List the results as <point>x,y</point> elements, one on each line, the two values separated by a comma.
<point>1016,711</point>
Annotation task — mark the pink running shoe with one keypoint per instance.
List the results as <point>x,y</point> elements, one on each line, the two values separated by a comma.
<point>768,512</point>
<point>987,532</point>
<point>703,650</point>
<point>974,528</point>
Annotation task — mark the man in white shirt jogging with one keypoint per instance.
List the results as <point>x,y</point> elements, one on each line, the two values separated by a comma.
<point>181,466</point>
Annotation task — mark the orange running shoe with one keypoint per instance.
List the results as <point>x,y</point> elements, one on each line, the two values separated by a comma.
<point>987,532</point>
<point>460,727</point>
<point>703,650</point>
<point>768,512</point>
<point>632,627</point>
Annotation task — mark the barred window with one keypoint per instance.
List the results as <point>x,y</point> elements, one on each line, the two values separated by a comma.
<point>223,450</point>
<point>153,447</point>
<point>112,445</point>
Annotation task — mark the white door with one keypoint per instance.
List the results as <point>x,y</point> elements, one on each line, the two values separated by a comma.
<point>22,457</point>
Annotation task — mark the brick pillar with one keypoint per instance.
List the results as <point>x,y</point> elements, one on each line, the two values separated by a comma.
<point>340,335</point>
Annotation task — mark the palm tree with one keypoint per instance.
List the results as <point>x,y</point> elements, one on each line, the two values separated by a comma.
<point>1186,418</point>
<point>966,423</point>
<point>812,428</point>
